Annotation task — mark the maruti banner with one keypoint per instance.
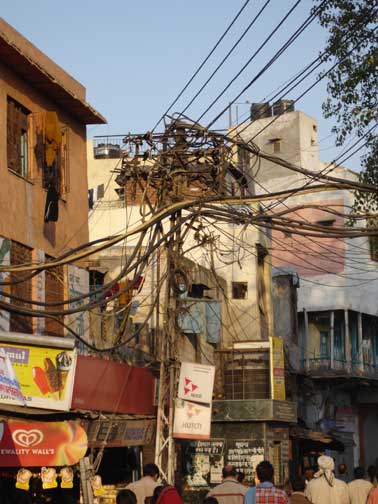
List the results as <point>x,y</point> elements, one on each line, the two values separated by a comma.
<point>29,444</point>
<point>45,376</point>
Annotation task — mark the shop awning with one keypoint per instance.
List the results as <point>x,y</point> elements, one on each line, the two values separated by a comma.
<point>318,439</point>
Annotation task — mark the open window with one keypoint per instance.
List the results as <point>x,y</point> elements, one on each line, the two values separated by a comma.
<point>51,150</point>
<point>239,290</point>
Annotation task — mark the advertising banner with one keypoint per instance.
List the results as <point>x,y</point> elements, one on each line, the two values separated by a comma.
<point>277,368</point>
<point>192,421</point>
<point>196,382</point>
<point>29,444</point>
<point>204,462</point>
<point>45,376</point>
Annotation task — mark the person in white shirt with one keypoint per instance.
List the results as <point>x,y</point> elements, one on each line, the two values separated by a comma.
<point>325,488</point>
<point>359,488</point>
<point>144,488</point>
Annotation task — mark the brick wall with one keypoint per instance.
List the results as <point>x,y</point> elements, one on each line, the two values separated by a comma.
<point>21,254</point>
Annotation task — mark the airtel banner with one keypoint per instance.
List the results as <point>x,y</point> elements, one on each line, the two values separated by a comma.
<point>29,444</point>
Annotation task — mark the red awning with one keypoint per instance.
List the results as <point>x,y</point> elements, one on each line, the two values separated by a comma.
<point>105,385</point>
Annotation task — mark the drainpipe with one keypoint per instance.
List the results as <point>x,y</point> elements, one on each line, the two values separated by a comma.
<point>348,348</point>
<point>360,350</point>
<point>332,333</point>
<point>306,340</point>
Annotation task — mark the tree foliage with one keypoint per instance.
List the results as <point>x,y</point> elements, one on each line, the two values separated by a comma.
<point>353,84</point>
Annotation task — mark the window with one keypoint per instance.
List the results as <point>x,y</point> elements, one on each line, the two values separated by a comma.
<point>276,144</point>
<point>239,290</point>
<point>17,137</point>
<point>373,240</point>
<point>20,254</point>
<point>326,222</point>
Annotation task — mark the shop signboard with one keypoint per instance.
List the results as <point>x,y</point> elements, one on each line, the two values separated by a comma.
<point>245,454</point>
<point>105,385</point>
<point>45,376</point>
<point>192,420</point>
<point>196,382</point>
<point>277,368</point>
<point>30,444</point>
<point>118,433</point>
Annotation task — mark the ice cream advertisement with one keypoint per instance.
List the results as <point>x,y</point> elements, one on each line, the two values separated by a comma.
<point>29,444</point>
<point>45,376</point>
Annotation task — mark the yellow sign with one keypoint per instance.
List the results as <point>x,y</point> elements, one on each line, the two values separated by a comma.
<point>277,368</point>
<point>45,376</point>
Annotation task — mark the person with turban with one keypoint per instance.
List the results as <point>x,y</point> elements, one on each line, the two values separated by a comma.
<point>324,488</point>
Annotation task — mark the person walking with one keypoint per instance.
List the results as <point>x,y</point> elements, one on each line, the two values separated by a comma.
<point>126,497</point>
<point>297,496</point>
<point>343,473</point>
<point>145,487</point>
<point>166,494</point>
<point>359,488</point>
<point>230,491</point>
<point>265,492</point>
<point>325,488</point>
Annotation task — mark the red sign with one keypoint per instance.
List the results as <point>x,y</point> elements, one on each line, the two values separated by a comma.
<point>30,444</point>
<point>104,385</point>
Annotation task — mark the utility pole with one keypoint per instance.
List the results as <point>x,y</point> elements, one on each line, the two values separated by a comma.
<point>185,156</point>
<point>165,453</point>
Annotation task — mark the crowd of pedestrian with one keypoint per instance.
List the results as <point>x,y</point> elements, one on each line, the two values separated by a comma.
<point>317,486</point>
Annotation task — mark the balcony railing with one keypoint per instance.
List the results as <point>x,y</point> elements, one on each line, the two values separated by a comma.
<point>326,366</point>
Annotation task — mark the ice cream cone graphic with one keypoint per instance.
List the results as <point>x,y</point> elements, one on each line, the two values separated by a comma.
<point>51,375</point>
<point>63,365</point>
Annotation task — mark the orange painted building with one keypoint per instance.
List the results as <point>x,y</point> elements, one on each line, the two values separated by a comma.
<point>44,188</point>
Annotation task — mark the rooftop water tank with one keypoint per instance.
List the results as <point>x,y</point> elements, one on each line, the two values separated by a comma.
<point>260,110</point>
<point>283,106</point>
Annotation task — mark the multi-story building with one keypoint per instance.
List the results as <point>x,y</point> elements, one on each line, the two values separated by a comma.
<point>43,118</point>
<point>231,282</point>
<point>337,297</point>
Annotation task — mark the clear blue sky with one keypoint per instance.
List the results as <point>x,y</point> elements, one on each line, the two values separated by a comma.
<point>134,56</point>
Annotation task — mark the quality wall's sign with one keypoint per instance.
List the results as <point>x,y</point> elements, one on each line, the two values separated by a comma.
<point>27,444</point>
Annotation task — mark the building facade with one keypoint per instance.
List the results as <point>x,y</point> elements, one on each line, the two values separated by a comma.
<point>337,307</point>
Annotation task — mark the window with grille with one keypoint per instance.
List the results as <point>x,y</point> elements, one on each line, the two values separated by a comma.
<point>18,138</point>
<point>20,254</point>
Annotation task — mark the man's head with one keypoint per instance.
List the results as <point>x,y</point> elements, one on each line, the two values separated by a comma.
<point>309,473</point>
<point>326,463</point>
<point>265,471</point>
<point>342,469</point>
<point>229,471</point>
<point>359,473</point>
<point>151,470</point>
<point>126,497</point>
<point>240,476</point>
<point>298,484</point>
